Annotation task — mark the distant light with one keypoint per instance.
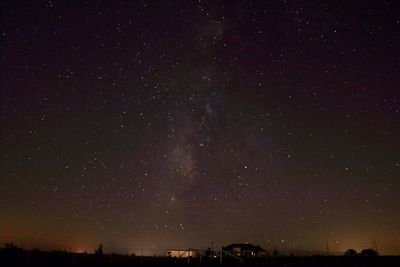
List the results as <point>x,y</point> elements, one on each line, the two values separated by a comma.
<point>80,250</point>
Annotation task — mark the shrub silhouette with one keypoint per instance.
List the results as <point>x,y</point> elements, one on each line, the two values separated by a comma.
<point>369,252</point>
<point>350,252</point>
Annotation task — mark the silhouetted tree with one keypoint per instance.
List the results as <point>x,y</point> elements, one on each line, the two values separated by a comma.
<point>10,247</point>
<point>99,250</point>
<point>369,252</point>
<point>350,252</point>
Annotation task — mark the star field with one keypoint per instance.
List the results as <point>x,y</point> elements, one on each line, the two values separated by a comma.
<point>159,124</point>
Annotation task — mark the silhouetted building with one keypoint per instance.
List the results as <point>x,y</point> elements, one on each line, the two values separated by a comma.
<point>245,250</point>
<point>183,253</point>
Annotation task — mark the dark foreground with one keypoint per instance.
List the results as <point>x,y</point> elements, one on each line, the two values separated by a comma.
<point>40,258</point>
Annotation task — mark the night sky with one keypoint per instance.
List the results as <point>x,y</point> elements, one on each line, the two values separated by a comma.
<point>172,124</point>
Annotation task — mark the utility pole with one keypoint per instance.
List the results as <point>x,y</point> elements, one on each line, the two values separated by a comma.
<point>327,248</point>
<point>112,253</point>
<point>30,251</point>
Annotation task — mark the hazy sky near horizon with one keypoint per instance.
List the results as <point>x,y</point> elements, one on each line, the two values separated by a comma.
<point>159,124</point>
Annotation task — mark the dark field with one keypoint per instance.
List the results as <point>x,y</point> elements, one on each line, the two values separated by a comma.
<point>55,258</point>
